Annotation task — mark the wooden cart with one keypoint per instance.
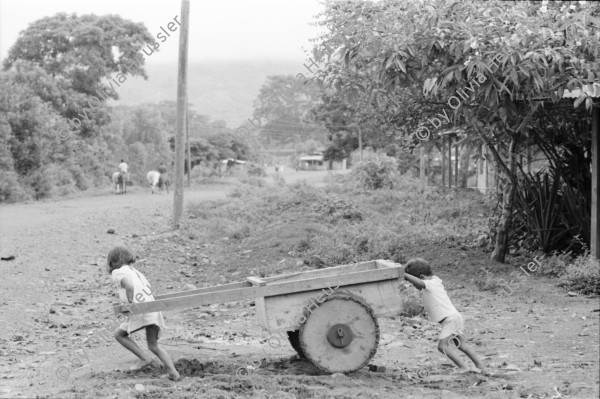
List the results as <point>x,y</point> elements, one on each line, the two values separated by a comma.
<point>330,315</point>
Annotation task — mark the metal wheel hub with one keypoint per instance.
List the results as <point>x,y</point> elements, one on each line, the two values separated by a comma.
<point>340,335</point>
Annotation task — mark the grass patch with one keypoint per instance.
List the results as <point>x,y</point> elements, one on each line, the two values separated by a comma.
<point>341,224</point>
<point>583,276</point>
<point>580,274</point>
<point>486,281</point>
<point>412,305</point>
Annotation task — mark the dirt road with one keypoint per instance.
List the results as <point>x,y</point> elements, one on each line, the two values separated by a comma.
<point>60,248</point>
<point>55,309</point>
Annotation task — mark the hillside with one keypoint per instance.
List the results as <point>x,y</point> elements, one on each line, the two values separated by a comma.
<point>221,90</point>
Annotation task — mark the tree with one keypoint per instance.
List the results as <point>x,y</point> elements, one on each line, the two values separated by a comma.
<point>137,127</point>
<point>494,64</point>
<point>282,96</point>
<point>364,35</point>
<point>282,110</point>
<point>342,133</point>
<point>42,157</point>
<point>218,143</point>
<point>508,68</point>
<point>80,53</point>
<point>80,50</point>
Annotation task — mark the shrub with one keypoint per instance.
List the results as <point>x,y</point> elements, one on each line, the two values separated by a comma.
<point>303,246</point>
<point>198,210</point>
<point>10,188</point>
<point>411,304</point>
<point>334,208</point>
<point>582,276</point>
<point>550,214</point>
<point>202,171</point>
<point>81,181</point>
<point>489,282</point>
<point>256,170</point>
<point>280,181</point>
<point>554,265</point>
<point>237,192</point>
<point>211,180</point>
<point>40,183</point>
<point>408,163</point>
<point>348,242</point>
<point>253,181</point>
<point>376,173</point>
<point>239,232</point>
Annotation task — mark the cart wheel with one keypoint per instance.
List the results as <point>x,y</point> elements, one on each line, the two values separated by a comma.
<point>294,338</point>
<point>340,335</point>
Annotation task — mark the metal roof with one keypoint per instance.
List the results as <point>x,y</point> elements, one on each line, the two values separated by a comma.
<point>312,158</point>
<point>592,90</point>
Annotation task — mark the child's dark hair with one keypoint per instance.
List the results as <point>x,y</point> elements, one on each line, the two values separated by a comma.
<point>118,257</point>
<point>418,266</point>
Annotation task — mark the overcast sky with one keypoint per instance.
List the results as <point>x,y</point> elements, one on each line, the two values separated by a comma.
<point>219,29</point>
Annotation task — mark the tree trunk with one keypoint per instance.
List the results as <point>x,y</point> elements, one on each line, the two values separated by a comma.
<point>449,161</point>
<point>443,151</point>
<point>508,196</point>
<point>508,191</point>
<point>456,159</point>
<point>503,228</point>
<point>422,168</point>
<point>465,160</point>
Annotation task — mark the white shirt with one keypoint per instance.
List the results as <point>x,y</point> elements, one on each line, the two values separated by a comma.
<point>436,300</point>
<point>141,287</point>
<point>123,167</point>
<point>141,293</point>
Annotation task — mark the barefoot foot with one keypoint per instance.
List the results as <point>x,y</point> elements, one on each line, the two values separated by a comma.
<point>140,364</point>
<point>462,370</point>
<point>174,376</point>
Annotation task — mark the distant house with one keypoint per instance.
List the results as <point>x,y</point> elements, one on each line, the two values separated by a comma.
<point>314,161</point>
<point>532,159</point>
<point>231,162</point>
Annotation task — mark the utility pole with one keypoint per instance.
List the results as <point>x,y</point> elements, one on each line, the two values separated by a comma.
<point>187,140</point>
<point>181,112</point>
<point>595,236</point>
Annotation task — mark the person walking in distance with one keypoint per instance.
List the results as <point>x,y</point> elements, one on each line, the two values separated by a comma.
<point>123,167</point>
<point>124,170</point>
<point>163,180</point>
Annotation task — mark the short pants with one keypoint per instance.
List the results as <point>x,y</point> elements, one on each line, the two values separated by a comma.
<point>452,325</point>
<point>138,321</point>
